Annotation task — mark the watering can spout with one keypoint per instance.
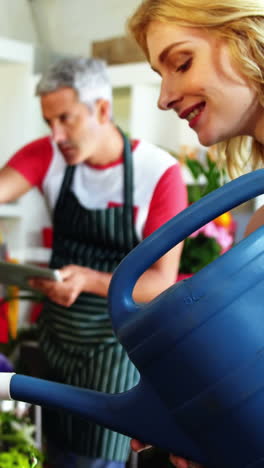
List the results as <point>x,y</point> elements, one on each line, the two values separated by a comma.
<point>129,413</point>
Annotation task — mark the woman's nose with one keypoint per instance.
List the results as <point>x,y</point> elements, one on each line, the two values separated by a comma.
<point>168,97</point>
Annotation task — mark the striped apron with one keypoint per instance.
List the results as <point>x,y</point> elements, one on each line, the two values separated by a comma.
<point>77,341</point>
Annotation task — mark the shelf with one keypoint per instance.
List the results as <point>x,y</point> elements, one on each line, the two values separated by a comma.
<point>13,51</point>
<point>10,210</point>
<point>35,255</point>
<point>132,74</point>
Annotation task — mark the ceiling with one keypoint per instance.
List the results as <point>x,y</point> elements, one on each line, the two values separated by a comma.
<point>69,27</point>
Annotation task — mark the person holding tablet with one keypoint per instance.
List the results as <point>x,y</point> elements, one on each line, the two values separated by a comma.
<point>106,193</point>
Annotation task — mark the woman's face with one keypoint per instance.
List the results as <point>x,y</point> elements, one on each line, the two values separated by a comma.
<point>200,82</point>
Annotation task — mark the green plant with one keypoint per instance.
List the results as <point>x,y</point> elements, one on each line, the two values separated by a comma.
<point>15,459</point>
<point>210,241</point>
<point>198,252</point>
<point>213,177</point>
<point>17,447</point>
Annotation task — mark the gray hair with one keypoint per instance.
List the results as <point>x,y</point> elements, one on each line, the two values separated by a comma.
<point>87,76</point>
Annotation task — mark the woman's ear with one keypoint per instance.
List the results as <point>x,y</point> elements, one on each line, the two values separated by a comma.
<point>103,108</point>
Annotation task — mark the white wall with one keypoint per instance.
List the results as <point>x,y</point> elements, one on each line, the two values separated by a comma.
<point>33,207</point>
<point>14,97</point>
<point>64,26</point>
<point>16,21</point>
<point>20,122</point>
<point>69,27</point>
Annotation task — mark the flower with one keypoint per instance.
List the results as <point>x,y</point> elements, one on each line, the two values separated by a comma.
<point>219,233</point>
<point>5,364</point>
<point>224,220</point>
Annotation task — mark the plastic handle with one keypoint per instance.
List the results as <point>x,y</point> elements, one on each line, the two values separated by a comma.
<point>170,234</point>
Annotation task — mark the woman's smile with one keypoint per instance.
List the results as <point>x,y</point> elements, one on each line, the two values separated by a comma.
<point>193,113</point>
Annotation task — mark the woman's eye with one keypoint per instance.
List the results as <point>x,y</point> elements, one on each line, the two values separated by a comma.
<point>185,66</point>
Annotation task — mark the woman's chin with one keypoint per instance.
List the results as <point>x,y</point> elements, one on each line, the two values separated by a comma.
<point>208,140</point>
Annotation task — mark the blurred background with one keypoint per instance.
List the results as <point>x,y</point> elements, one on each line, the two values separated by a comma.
<point>34,33</point>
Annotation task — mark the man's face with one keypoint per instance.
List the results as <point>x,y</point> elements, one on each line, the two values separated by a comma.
<point>74,127</point>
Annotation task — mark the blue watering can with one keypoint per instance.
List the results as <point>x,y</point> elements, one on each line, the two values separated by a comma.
<point>199,348</point>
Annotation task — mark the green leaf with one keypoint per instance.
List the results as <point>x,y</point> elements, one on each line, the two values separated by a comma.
<point>198,252</point>
<point>16,449</point>
<point>195,167</point>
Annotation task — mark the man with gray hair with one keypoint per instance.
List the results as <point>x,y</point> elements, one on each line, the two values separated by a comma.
<point>88,77</point>
<point>106,193</point>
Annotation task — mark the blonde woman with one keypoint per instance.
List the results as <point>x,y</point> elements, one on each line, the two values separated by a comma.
<point>210,56</point>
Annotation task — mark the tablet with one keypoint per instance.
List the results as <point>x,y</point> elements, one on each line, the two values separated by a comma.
<point>18,274</point>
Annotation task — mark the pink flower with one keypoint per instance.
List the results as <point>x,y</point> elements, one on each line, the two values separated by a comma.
<point>219,233</point>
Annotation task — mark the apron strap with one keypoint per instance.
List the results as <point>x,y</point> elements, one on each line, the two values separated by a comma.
<point>128,190</point>
<point>67,180</point>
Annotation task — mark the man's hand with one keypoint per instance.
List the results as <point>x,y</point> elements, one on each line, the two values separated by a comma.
<point>75,279</point>
<point>178,462</point>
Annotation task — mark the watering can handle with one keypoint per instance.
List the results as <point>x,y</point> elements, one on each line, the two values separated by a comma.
<point>170,234</point>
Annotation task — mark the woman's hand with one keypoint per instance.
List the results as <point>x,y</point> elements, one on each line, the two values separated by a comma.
<point>75,279</point>
<point>178,462</point>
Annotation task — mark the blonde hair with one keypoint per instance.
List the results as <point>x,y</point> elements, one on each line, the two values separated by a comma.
<point>241,24</point>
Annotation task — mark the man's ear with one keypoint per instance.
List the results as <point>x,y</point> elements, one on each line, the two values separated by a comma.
<point>103,109</point>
